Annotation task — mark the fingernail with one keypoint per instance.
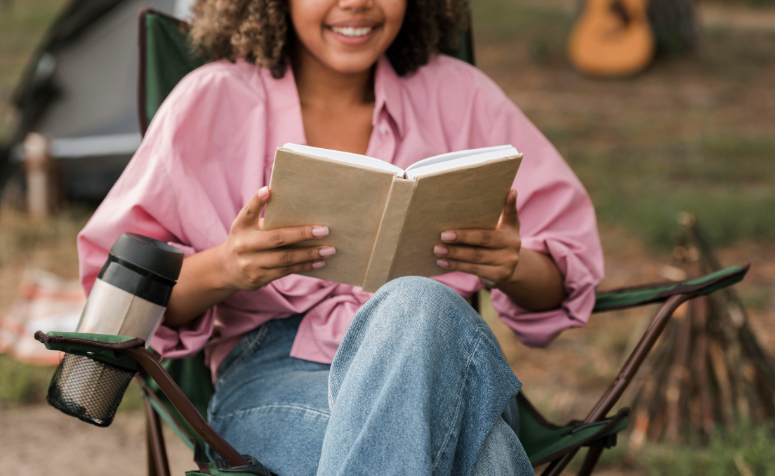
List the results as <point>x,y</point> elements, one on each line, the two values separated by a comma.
<point>440,250</point>
<point>443,263</point>
<point>448,236</point>
<point>263,192</point>
<point>318,264</point>
<point>320,231</point>
<point>327,251</point>
<point>487,282</point>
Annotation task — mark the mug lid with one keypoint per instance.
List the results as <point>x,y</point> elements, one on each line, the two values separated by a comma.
<point>151,255</point>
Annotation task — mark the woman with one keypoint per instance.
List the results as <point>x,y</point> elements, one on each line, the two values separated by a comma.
<point>318,377</point>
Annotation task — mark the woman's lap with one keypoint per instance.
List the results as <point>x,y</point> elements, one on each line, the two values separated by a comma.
<point>270,405</point>
<point>276,408</point>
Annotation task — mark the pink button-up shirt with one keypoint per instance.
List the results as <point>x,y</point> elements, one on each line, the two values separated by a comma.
<point>211,146</point>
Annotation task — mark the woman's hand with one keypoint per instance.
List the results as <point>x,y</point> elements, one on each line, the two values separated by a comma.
<point>529,278</point>
<point>492,255</point>
<point>253,257</point>
<point>249,259</point>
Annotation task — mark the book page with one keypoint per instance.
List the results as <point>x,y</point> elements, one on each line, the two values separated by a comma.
<point>460,159</point>
<point>346,157</point>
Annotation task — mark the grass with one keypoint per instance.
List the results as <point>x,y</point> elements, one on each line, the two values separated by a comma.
<point>745,450</point>
<point>49,245</point>
<point>24,384</point>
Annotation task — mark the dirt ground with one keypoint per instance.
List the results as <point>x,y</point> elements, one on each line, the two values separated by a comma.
<point>38,440</point>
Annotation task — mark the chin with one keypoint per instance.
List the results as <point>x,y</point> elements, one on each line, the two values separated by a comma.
<point>348,64</point>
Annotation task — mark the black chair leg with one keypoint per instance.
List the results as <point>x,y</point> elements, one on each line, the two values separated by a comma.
<point>157,452</point>
<point>593,456</point>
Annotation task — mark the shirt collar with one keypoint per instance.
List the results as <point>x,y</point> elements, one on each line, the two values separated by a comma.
<point>387,94</point>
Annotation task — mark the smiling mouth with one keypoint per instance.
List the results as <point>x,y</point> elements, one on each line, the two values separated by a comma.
<point>352,32</point>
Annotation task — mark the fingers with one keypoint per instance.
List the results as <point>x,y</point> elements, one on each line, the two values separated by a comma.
<point>493,274</point>
<point>509,215</point>
<point>278,273</point>
<point>473,254</point>
<point>482,238</point>
<point>294,256</point>
<point>269,239</point>
<point>248,216</point>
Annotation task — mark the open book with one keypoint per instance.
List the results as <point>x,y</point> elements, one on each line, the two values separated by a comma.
<point>383,220</point>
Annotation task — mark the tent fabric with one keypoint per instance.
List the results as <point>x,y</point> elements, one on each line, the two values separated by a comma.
<point>81,85</point>
<point>73,21</point>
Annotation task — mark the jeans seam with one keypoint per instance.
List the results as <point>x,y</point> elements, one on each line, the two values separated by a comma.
<point>272,405</point>
<point>458,403</point>
<point>251,347</point>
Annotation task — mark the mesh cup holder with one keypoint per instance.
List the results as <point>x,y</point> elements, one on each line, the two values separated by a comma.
<point>88,389</point>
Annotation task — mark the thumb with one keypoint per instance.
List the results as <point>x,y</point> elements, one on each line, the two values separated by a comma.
<point>509,215</point>
<point>248,216</point>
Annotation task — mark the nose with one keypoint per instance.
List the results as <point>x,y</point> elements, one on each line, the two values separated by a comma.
<point>356,6</point>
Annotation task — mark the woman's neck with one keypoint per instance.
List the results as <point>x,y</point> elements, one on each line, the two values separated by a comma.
<point>322,87</point>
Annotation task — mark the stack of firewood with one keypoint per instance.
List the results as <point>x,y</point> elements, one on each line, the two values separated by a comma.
<point>708,371</point>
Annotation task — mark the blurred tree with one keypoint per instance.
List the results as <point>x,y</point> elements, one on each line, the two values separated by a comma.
<point>673,23</point>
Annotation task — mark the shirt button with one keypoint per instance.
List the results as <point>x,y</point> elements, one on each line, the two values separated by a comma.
<point>383,130</point>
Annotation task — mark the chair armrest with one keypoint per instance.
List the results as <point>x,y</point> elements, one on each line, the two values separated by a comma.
<point>102,347</point>
<point>624,298</point>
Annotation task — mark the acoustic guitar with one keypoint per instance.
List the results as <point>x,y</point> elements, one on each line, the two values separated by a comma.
<point>612,38</point>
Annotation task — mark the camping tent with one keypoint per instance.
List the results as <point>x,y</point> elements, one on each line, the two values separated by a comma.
<point>80,89</point>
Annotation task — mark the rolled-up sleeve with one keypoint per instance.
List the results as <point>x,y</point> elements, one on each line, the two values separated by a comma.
<point>556,218</point>
<point>145,201</point>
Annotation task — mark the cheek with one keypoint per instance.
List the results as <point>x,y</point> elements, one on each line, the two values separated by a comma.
<point>307,15</point>
<point>394,11</point>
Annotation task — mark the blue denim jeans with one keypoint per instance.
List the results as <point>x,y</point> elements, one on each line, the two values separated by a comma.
<point>418,386</point>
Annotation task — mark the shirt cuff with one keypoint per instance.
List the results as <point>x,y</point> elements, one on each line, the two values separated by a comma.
<point>538,329</point>
<point>187,340</point>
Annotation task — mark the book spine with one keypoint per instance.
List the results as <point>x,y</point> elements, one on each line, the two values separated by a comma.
<point>390,228</point>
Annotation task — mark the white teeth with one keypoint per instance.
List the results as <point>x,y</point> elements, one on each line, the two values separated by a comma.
<point>351,31</point>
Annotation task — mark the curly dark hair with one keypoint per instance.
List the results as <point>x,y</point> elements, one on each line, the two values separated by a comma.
<point>261,32</point>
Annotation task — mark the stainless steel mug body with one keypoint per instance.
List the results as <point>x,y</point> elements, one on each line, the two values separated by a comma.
<point>128,298</point>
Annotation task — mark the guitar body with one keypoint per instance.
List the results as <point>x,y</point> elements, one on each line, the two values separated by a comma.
<point>612,38</point>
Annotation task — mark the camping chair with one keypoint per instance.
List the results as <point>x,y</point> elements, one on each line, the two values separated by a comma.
<point>178,391</point>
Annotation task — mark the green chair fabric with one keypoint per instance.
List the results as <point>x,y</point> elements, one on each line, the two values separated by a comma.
<point>708,284</point>
<point>166,56</point>
<point>544,442</point>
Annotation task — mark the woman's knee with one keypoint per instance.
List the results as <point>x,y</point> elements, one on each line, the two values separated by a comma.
<point>422,305</point>
<point>417,292</point>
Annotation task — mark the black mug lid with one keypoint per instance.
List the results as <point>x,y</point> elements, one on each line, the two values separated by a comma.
<point>151,255</point>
